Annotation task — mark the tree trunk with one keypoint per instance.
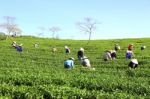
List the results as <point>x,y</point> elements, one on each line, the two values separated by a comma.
<point>89,37</point>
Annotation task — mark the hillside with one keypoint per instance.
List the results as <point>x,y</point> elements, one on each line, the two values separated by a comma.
<point>39,73</point>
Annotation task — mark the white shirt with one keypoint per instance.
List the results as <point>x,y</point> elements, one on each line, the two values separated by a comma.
<point>107,56</point>
<point>86,62</point>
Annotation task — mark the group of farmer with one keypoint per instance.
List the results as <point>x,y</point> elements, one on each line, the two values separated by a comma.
<point>19,47</point>
<point>108,55</point>
<point>85,62</point>
<point>130,55</point>
<point>112,54</point>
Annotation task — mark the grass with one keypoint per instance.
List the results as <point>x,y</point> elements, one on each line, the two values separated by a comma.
<point>39,73</point>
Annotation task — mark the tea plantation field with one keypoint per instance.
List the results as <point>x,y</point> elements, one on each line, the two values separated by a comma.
<point>37,73</point>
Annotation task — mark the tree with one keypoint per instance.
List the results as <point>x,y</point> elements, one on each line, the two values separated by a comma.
<point>54,30</point>
<point>10,26</point>
<point>42,30</point>
<point>2,33</point>
<point>16,31</point>
<point>88,26</point>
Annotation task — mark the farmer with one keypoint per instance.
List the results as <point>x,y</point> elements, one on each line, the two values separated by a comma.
<point>19,48</point>
<point>69,63</point>
<point>67,49</point>
<point>143,47</point>
<point>109,55</point>
<point>54,50</point>
<point>130,47</point>
<point>36,45</point>
<point>129,54</point>
<point>85,62</point>
<point>80,53</point>
<point>14,44</point>
<point>113,54</point>
<point>133,63</point>
<point>117,47</point>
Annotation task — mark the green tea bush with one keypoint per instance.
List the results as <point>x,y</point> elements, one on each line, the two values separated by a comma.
<point>2,36</point>
<point>37,73</point>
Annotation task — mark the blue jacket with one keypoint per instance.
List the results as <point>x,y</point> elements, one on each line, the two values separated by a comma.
<point>19,48</point>
<point>69,64</point>
<point>128,55</point>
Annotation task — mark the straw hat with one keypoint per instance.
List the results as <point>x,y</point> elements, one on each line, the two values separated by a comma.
<point>144,46</point>
<point>81,49</point>
<point>134,61</point>
<point>66,46</point>
<point>14,41</point>
<point>20,45</point>
<point>113,51</point>
<point>84,57</point>
<point>71,58</point>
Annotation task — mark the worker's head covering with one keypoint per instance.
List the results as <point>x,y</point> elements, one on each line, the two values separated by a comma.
<point>71,58</point>
<point>84,57</point>
<point>20,45</point>
<point>81,49</point>
<point>134,61</point>
<point>113,51</point>
<point>14,41</point>
<point>66,46</point>
<point>144,46</point>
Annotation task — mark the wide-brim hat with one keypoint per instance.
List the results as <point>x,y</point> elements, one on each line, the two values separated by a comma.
<point>108,51</point>
<point>20,44</point>
<point>113,51</point>
<point>134,61</point>
<point>85,57</point>
<point>131,44</point>
<point>71,58</point>
<point>144,46</point>
<point>66,46</point>
<point>81,49</point>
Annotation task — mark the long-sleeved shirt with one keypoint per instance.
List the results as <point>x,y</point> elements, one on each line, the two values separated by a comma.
<point>19,48</point>
<point>129,54</point>
<point>86,62</point>
<point>107,56</point>
<point>69,63</point>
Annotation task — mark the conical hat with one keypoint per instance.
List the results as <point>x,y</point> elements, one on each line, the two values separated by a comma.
<point>66,46</point>
<point>84,57</point>
<point>81,49</point>
<point>71,58</point>
<point>134,61</point>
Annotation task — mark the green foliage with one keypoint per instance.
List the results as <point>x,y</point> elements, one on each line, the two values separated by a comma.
<point>37,73</point>
<point>2,36</point>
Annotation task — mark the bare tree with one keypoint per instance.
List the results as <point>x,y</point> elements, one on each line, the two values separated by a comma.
<point>42,30</point>
<point>54,30</point>
<point>88,26</point>
<point>16,31</point>
<point>10,26</point>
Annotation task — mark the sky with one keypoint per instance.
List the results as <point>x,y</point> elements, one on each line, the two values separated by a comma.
<point>118,18</point>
